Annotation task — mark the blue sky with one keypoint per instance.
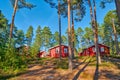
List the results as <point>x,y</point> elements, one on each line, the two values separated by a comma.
<point>44,15</point>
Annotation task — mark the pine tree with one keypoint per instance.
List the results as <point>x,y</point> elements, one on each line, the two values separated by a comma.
<point>29,35</point>
<point>46,37</point>
<point>117,4</point>
<point>56,38</point>
<point>37,42</point>
<point>110,20</point>
<point>20,38</point>
<point>69,37</point>
<point>17,4</point>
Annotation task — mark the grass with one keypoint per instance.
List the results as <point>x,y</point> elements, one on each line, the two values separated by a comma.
<point>12,73</point>
<point>115,56</point>
<point>6,75</point>
<point>63,64</point>
<point>107,64</point>
<point>44,59</point>
<point>85,75</point>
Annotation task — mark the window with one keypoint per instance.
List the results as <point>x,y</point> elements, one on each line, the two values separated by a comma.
<point>65,50</point>
<point>57,50</point>
<point>94,50</point>
<point>87,51</point>
<point>102,49</point>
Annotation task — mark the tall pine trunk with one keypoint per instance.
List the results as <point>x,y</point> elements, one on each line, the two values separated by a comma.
<point>73,35</point>
<point>13,17</point>
<point>96,35</point>
<point>59,20</point>
<point>69,38</point>
<point>115,37</point>
<point>117,3</point>
<point>95,30</point>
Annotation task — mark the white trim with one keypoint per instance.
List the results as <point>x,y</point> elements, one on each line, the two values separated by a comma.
<point>94,49</point>
<point>65,50</point>
<point>102,49</point>
<point>57,46</point>
<point>57,50</point>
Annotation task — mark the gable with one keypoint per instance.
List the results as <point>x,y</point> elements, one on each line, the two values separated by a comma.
<point>57,46</point>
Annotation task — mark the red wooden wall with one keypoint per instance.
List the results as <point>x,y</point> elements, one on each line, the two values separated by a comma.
<point>54,51</point>
<point>90,51</point>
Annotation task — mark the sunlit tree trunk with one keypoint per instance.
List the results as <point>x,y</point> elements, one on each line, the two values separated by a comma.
<point>95,30</point>
<point>96,35</point>
<point>59,19</point>
<point>117,3</point>
<point>73,35</point>
<point>115,37</point>
<point>69,38</point>
<point>13,17</point>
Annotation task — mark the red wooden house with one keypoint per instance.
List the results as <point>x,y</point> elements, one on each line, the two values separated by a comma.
<point>42,54</point>
<point>90,51</point>
<point>54,51</point>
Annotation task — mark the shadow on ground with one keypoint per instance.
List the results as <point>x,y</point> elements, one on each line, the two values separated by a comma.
<point>96,75</point>
<point>80,71</point>
<point>115,61</point>
<point>49,72</point>
<point>10,76</point>
<point>78,64</point>
<point>110,75</point>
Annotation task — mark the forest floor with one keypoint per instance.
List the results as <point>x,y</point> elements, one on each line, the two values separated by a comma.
<point>84,69</point>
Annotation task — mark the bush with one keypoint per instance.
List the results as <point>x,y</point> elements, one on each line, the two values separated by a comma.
<point>10,61</point>
<point>63,64</point>
<point>115,56</point>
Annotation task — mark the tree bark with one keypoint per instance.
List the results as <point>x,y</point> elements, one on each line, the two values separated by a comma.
<point>117,3</point>
<point>69,38</point>
<point>95,30</point>
<point>96,35</point>
<point>59,19</point>
<point>115,37</point>
<point>73,35</point>
<point>13,17</point>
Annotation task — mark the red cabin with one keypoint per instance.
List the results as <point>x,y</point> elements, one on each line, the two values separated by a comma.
<point>90,51</point>
<point>54,51</point>
<point>42,54</point>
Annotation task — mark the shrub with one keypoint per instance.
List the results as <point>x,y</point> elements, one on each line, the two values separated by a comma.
<point>10,61</point>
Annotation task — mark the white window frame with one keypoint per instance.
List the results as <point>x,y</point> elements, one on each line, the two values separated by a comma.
<point>94,50</point>
<point>65,50</point>
<point>102,49</point>
<point>57,50</point>
<point>87,51</point>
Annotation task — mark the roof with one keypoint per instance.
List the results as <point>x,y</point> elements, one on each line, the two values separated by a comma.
<point>98,44</point>
<point>93,46</point>
<point>58,46</point>
<point>41,51</point>
<point>21,46</point>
